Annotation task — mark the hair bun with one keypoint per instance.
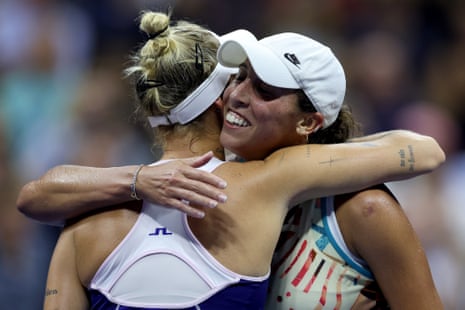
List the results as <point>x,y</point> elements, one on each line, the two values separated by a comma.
<point>154,23</point>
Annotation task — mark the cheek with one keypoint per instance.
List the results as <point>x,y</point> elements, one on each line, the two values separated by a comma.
<point>278,122</point>
<point>272,126</point>
<point>276,114</point>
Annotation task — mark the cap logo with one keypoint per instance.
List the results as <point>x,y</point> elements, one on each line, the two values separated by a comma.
<point>293,59</point>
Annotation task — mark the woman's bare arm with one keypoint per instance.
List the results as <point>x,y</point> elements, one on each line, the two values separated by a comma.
<point>312,171</point>
<point>377,230</point>
<point>67,191</point>
<point>64,290</point>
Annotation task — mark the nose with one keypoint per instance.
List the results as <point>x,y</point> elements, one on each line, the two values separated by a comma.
<point>240,93</point>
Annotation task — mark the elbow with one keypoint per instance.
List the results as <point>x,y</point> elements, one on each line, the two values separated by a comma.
<point>437,157</point>
<point>28,203</point>
<point>441,157</point>
<point>24,200</point>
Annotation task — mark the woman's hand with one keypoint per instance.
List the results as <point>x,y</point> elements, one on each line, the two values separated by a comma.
<point>177,184</point>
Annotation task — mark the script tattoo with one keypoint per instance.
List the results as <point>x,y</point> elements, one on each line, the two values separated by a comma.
<point>50,292</point>
<point>308,151</point>
<point>407,160</point>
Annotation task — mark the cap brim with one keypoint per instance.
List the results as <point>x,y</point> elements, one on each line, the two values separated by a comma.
<point>240,45</point>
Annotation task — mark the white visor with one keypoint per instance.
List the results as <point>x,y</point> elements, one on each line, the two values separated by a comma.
<point>198,101</point>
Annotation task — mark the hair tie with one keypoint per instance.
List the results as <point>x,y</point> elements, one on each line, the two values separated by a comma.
<point>156,34</point>
<point>143,85</point>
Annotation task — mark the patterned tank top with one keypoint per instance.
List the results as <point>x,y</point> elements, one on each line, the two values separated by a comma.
<point>314,269</point>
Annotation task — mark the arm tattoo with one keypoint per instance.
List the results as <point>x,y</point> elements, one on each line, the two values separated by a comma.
<point>411,159</point>
<point>330,161</point>
<point>407,162</point>
<point>402,157</point>
<point>50,292</point>
<point>308,151</point>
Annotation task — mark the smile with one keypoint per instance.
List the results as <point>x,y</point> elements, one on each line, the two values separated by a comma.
<point>236,120</point>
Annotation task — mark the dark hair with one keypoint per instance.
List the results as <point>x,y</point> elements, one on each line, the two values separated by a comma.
<point>343,128</point>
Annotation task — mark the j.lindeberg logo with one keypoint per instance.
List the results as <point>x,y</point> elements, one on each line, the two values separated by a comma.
<point>293,59</point>
<point>160,231</point>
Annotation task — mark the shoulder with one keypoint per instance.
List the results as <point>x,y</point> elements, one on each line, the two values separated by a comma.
<point>366,204</point>
<point>367,216</point>
<point>112,220</point>
<point>96,235</point>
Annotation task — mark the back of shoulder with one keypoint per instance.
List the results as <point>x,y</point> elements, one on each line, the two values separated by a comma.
<point>248,181</point>
<point>234,170</point>
<point>116,218</point>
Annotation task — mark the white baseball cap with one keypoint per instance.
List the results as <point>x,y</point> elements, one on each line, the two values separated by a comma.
<point>290,60</point>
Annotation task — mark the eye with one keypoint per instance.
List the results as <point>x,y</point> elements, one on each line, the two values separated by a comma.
<point>265,91</point>
<point>241,75</point>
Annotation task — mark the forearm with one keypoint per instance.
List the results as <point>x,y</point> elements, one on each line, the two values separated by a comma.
<point>321,170</point>
<point>372,137</point>
<point>417,154</point>
<point>66,191</point>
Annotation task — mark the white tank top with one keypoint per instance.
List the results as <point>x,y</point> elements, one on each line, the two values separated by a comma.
<point>160,263</point>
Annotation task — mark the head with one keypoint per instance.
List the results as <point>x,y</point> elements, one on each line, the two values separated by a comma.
<point>176,75</point>
<point>288,89</point>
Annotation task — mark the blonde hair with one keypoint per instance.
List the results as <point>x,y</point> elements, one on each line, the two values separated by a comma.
<point>173,62</point>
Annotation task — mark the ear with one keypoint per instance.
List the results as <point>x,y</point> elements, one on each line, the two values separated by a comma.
<point>311,123</point>
<point>219,103</point>
<point>218,106</point>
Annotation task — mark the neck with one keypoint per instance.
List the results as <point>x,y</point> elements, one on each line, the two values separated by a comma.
<point>189,146</point>
<point>189,143</point>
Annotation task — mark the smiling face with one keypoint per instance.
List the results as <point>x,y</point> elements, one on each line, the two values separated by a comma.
<point>259,118</point>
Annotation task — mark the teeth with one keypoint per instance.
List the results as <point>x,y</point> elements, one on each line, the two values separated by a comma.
<point>236,119</point>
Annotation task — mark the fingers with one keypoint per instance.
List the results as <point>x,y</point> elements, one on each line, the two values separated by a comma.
<point>185,208</point>
<point>199,160</point>
<point>197,193</point>
<point>200,178</point>
<point>200,175</point>
<point>179,185</point>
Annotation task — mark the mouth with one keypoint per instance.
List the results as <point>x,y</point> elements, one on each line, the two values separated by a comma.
<point>235,119</point>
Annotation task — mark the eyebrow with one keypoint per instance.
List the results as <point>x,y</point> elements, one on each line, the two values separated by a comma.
<point>244,66</point>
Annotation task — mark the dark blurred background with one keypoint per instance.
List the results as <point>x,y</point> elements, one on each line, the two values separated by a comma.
<point>63,100</point>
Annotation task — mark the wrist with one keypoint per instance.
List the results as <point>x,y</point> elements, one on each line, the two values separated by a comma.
<point>133,184</point>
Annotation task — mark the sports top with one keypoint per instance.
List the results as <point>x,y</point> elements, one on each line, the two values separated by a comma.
<point>313,267</point>
<point>160,264</point>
